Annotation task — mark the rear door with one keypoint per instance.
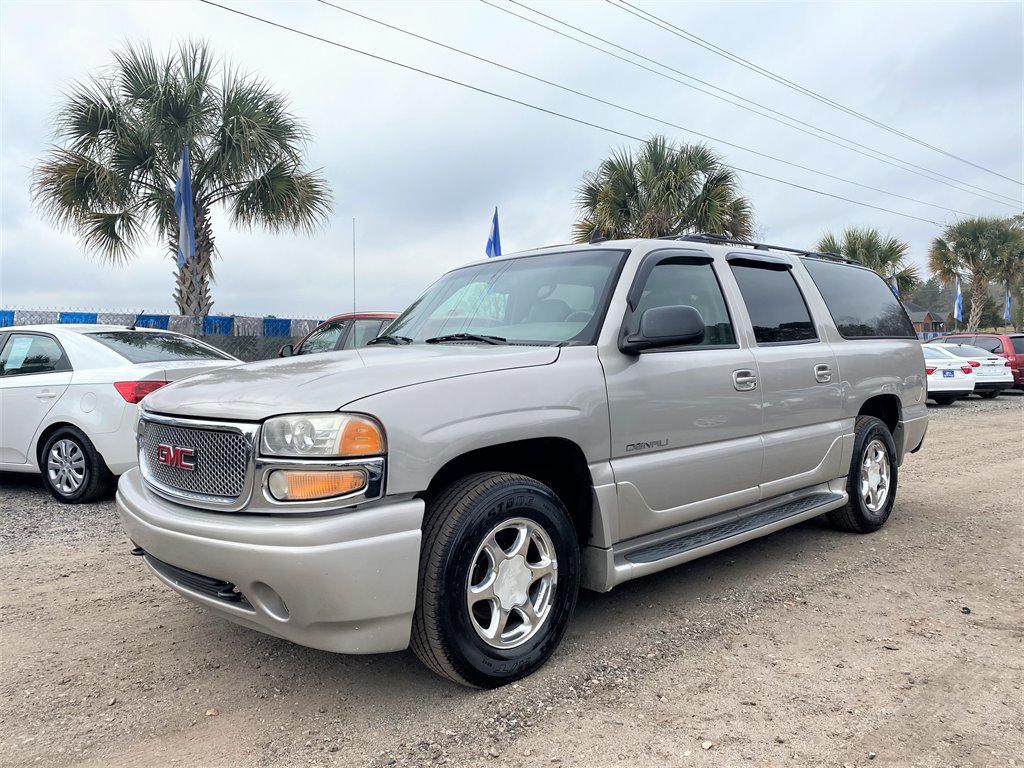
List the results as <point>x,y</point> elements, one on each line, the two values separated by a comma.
<point>34,373</point>
<point>797,374</point>
<point>685,421</point>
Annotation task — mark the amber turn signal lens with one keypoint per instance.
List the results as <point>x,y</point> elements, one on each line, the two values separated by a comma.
<point>297,485</point>
<point>360,438</point>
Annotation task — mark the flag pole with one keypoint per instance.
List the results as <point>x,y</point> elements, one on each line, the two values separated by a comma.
<point>353,263</point>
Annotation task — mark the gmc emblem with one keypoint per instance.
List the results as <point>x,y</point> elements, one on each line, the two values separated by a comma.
<point>173,456</point>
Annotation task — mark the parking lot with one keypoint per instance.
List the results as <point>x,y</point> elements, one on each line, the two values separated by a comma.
<point>808,647</point>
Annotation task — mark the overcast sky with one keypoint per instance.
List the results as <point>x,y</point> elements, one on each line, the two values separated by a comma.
<point>421,164</point>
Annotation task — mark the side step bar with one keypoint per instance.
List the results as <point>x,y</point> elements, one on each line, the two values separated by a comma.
<point>728,530</point>
<point>604,569</point>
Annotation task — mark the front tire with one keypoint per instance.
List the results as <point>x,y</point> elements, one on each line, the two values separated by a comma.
<point>873,477</point>
<point>73,470</point>
<point>499,575</point>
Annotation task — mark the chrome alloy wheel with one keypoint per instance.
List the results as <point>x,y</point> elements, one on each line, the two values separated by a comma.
<point>511,586</point>
<point>875,476</point>
<point>65,466</point>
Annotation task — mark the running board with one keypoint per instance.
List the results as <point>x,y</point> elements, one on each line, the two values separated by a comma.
<point>799,508</point>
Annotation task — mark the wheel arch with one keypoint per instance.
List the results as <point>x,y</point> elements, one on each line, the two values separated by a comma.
<point>885,407</point>
<point>556,462</point>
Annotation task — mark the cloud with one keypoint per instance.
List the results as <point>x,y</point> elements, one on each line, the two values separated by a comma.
<point>420,163</point>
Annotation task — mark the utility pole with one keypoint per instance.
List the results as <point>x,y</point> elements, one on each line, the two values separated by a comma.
<point>353,264</point>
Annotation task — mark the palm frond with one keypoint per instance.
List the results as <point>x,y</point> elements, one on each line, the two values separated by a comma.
<point>283,198</point>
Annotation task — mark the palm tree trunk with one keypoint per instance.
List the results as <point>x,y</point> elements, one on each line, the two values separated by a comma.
<point>192,292</point>
<point>979,294</point>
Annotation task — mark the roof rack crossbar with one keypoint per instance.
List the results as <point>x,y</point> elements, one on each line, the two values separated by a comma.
<point>710,237</point>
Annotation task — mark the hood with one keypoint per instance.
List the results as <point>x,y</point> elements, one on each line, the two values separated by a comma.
<point>327,382</point>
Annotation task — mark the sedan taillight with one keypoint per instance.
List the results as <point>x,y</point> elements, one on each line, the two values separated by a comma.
<point>929,370</point>
<point>974,363</point>
<point>966,368</point>
<point>134,391</point>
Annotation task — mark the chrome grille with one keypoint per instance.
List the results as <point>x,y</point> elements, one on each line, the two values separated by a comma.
<point>222,459</point>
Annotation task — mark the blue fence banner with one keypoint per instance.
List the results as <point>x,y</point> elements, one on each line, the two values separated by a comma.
<point>6,317</point>
<point>77,318</point>
<point>218,326</point>
<point>153,321</point>
<point>273,326</point>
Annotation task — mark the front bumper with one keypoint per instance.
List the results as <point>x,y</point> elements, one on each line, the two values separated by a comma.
<point>342,582</point>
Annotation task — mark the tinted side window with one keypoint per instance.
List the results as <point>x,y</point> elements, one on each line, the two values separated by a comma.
<point>363,331</point>
<point>323,339</point>
<point>678,281</point>
<point>25,354</point>
<point>1018,344</point>
<point>775,304</point>
<point>989,344</point>
<point>861,303</point>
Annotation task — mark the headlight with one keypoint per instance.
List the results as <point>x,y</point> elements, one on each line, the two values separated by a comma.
<point>322,435</point>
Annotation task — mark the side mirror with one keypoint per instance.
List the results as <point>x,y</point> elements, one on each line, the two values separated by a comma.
<point>665,327</point>
<point>286,351</point>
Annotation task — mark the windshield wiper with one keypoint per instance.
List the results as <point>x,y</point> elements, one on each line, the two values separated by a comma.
<point>467,337</point>
<point>387,338</point>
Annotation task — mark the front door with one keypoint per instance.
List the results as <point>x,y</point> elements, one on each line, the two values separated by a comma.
<point>34,373</point>
<point>685,421</point>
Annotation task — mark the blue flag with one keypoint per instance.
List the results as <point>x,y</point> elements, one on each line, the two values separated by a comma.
<point>494,238</point>
<point>1006,309</point>
<point>183,210</point>
<point>958,305</point>
<point>895,286</point>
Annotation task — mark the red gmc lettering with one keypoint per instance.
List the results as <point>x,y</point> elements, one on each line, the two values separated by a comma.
<point>173,456</point>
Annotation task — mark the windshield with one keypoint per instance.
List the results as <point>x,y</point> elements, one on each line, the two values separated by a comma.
<point>548,299</point>
<point>152,347</point>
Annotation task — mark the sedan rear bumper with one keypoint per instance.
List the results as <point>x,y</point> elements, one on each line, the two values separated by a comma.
<point>342,582</point>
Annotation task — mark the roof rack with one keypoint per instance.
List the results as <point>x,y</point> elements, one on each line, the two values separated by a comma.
<point>710,237</point>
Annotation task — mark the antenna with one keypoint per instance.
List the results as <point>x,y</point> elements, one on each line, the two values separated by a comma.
<point>131,326</point>
<point>597,237</point>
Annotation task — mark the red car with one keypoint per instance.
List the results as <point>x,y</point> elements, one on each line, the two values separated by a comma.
<point>341,332</point>
<point>1008,345</point>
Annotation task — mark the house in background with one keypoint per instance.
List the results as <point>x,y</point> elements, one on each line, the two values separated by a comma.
<point>924,320</point>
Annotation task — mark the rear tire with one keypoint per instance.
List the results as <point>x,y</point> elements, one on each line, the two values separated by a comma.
<point>872,481</point>
<point>73,470</point>
<point>499,575</point>
<point>944,399</point>
<point>988,395</point>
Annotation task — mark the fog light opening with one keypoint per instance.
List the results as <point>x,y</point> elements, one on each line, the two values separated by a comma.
<point>267,598</point>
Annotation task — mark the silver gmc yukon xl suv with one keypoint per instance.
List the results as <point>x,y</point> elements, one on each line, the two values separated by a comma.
<point>570,417</point>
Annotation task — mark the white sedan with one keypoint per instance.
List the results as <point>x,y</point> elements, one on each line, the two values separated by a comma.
<point>949,378</point>
<point>69,398</point>
<point>992,373</point>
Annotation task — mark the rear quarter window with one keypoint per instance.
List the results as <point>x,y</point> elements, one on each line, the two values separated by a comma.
<point>149,347</point>
<point>1018,344</point>
<point>862,305</point>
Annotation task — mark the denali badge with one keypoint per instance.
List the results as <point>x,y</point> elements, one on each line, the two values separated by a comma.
<point>173,456</point>
<point>647,444</point>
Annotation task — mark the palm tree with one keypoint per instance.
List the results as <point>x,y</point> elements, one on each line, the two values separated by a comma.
<point>887,255</point>
<point>982,249</point>
<point>663,190</point>
<point>110,178</point>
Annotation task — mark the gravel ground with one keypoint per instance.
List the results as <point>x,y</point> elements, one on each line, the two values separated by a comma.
<point>807,647</point>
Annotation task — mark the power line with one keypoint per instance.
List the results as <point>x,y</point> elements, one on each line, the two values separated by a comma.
<point>628,110</point>
<point>814,130</point>
<point>537,108</point>
<point>651,18</point>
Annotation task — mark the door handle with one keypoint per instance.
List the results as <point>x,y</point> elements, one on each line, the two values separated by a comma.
<point>46,395</point>
<point>822,374</point>
<point>744,380</point>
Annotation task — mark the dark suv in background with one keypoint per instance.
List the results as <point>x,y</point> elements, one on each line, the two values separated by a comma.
<point>1008,345</point>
